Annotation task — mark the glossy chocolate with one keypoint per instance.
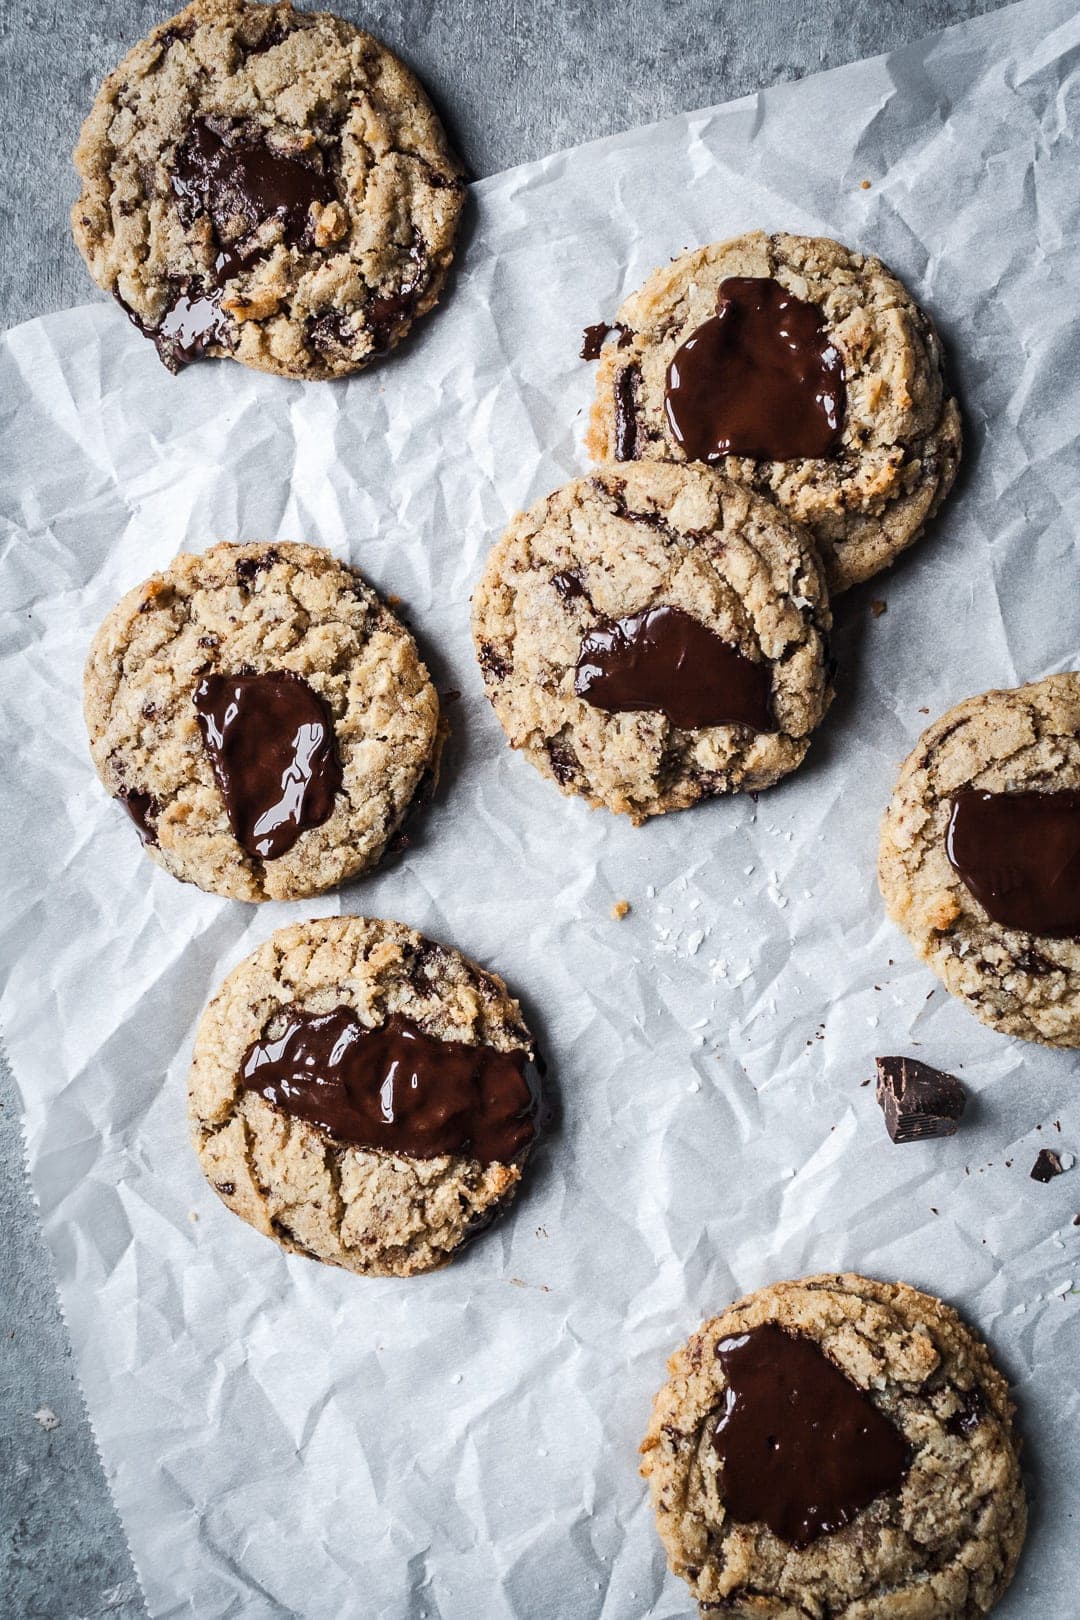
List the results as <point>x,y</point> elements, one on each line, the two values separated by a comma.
<point>761,378</point>
<point>627,382</point>
<point>143,809</point>
<point>271,742</point>
<point>1019,855</point>
<point>239,187</point>
<point>244,184</point>
<point>396,1087</point>
<point>802,1448</point>
<point>667,660</point>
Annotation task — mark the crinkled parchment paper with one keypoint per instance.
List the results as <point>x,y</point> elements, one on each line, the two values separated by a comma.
<point>283,1439</point>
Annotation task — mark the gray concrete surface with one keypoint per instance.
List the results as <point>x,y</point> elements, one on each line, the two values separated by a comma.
<point>514,79</point>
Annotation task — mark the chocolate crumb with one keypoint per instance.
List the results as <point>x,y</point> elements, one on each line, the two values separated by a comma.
<point>919,1102</point>
<point>1046,1166</point>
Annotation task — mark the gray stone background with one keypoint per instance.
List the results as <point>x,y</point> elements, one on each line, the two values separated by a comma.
<point>513,79</point>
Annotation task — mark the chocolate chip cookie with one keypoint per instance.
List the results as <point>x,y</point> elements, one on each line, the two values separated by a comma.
<point>270,185</point>
<point>979,858</point>
<point>264,719</point>
<point>363,1096</point>
<point>798,367</point>
<point>837,1447</point>
<point>655,635</point>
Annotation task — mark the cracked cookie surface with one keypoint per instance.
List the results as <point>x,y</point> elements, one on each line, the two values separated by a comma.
<point>1026,738</point>
<point>259,608</point>
<point>630,539</point>
<point>901,438</point>
<point>374,1212</point>
<point>944,1547</point>
<point>270,185</point>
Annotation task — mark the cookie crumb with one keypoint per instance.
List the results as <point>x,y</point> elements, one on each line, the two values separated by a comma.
<point>47,1417</point>
<point>193,1216</point>
<point>864,185</point>
<point>620,909</point>
<point>878,607</point>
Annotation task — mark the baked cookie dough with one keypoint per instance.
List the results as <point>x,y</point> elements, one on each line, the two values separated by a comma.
<point>979,858</point>
<point>655,635</point>
<point>834,404</point>
<point>263,717</point>
<point>306,1129</point>
<point>837,1449</point>
<point>269,185</point>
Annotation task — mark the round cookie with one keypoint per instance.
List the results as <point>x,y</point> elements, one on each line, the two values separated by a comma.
<point>837,1447</point>
<point>1016,742</point>
<point>331,1194</point>
<point>265,719</point>
<point>692,579</point>
<point>269,185</point>
<point>868,495</point>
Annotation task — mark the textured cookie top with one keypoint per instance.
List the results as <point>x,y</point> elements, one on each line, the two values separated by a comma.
<point>897,453</point>
<point>1007,742</point>
<point>267,184</point>
<point>372,1211</point>
<point>606,550</point>
<point>943,1546</point>
<point>253,610</point>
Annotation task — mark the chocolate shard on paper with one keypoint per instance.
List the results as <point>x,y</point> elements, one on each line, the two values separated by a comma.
<point>918,1102</point>
<point>1047,1166</point>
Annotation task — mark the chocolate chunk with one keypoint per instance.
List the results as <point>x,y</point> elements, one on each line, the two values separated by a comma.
<point>667,660</point>
<point>1019,855</point>
<point>493,662</point>
<point>1047,1166</point>
<point>969,1415</point>
<point>592,340</point>
<point>396,1087</point>
<point>569,586</point>
<point>240,183</point>
<point>594,337</point>
<point>802,1449</point>
<point>271,742</point>
<point>564,762</point>
<point>332,332</point>
<point>627,383</point>
<point>144,810</point>
<point>918,1102</point>
<point>249,568</point>
<point>761,378</point>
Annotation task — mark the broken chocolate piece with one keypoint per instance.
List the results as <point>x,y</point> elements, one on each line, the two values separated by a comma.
<point>918,1102</point>
<point>1047,1166</point>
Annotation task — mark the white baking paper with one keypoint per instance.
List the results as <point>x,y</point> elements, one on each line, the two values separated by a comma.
<point>284,1439</point>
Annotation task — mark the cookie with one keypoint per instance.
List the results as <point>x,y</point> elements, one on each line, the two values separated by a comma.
<point>264,719</point>
<point>363,1096</point>
<point>799,368</point>
<point>269,185</point>
<point>655,635</point>
<point>837,1447</point>
<point>980,855</point>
